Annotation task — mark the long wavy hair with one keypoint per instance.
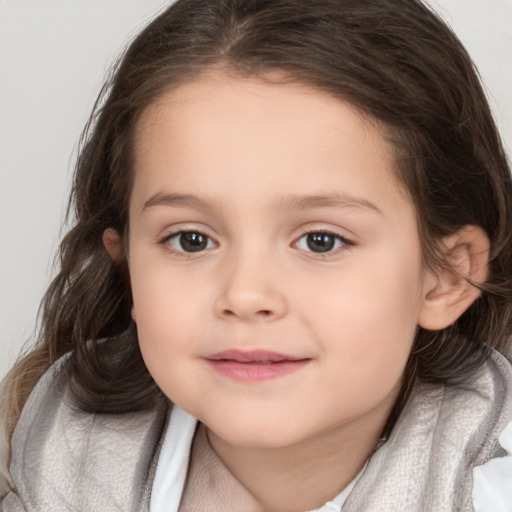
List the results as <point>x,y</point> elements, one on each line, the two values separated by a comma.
<point>394,60</point>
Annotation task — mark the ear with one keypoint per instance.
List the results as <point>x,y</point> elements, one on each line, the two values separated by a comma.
<point>114,245</point>
<point>450,290</point>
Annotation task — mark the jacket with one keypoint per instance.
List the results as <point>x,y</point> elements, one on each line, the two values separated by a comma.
<point>67,460</point>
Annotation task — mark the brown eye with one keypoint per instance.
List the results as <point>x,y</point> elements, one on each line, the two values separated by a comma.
<point>190,241</point>
<point>320,242</point>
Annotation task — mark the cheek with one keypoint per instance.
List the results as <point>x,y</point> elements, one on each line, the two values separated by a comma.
<point>164,332</point>
<point>162,310</point>
<point>161,294</point>
<point>368,316</point>
<point>172,311</point>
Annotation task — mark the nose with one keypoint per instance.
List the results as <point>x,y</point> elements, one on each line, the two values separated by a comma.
<point>250,290</point>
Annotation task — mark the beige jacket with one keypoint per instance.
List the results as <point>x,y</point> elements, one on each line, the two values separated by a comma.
<point>65,460</point>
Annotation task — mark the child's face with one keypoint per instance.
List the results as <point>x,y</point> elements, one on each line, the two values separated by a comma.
<point>267,219</point>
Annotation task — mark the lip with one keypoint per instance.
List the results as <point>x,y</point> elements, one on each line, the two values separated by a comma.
<point>254,365</point>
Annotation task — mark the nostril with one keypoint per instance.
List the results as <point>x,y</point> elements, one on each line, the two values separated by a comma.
<point>265,312</point>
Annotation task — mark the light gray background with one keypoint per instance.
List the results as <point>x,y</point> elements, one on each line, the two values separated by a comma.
<point>53,57</point>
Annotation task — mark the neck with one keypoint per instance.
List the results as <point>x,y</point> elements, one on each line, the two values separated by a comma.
<point>304,475</point>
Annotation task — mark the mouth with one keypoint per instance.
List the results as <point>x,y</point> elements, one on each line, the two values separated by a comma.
<point>254,365</point>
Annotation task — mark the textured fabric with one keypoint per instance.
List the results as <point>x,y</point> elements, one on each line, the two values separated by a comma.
<point>5,477</point>
<point>211,487</point>
<point>66,460</point>
<point>426,464</point>
<point>11,503</point>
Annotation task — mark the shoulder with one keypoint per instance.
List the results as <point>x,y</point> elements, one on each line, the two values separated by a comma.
<point>443,433</point>
<point>64,458</point>
<point>471,417</point>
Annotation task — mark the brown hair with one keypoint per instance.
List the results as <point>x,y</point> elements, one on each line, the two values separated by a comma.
<point>395,60</point>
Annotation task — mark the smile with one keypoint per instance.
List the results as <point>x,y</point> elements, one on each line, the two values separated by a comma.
<point>254,365</point>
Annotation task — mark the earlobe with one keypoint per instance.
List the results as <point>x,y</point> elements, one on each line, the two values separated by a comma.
<point>453,287</point>
<point>114,245</point>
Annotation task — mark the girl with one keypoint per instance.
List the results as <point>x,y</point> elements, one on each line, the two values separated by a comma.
<point>288,283</point>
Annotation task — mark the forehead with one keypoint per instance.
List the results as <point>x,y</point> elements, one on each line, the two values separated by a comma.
<point>217,96</point>
<point>221,131</point>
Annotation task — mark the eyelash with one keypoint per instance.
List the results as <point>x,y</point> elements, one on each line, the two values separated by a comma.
<point>168,238</point>
<point>342,241</point>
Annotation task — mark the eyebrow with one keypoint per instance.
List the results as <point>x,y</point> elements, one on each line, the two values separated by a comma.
<point>183,200</point>
<point>326,200</point>
<point>291,202</point>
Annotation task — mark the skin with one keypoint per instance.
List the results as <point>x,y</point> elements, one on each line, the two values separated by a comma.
<point>254,167</point>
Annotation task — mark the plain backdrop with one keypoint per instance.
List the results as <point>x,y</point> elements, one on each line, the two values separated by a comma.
<point>53,57</point>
